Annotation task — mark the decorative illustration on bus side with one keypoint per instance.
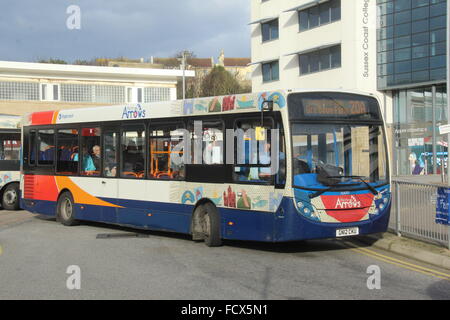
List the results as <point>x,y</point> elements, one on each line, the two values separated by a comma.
<point>246,102</point>
<point>228,103</point>
<point>187,196</point>
<point>229,198</point>
<point>259,203</point>
<point>198,193</point>
<point>201,106</point>
<point>214,105</point>
<point>188,107</point>
<point>244,201</point>
<point>216,198</point>
<point>275,200</point>
<point>276,97</point>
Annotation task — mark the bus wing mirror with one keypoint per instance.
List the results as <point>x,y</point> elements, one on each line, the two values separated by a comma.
<point>267,105</point>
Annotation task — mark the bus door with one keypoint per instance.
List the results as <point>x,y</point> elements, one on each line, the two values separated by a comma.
<point>108,184</point>
<point>132,185</point>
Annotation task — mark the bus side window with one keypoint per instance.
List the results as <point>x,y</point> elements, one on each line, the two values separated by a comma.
<point>252,151</point>
<point>165,161</point>
<point>207,149</point>
<point>133,154</point>
<point>110,155</point>
<point>90,153</point>
<point>46,147</point>
<point>67,152</point>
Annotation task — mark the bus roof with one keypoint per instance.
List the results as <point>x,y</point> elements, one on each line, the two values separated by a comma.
<point>250,102</point>
<point>8,121</point>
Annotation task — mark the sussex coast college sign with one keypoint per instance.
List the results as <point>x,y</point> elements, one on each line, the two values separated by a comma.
<point>366,20</point>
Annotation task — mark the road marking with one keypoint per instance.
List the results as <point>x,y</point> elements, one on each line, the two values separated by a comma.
<point>397,262</point>
<point>1,250</point>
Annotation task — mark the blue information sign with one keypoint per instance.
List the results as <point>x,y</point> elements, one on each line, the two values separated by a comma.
<point>442,206</point>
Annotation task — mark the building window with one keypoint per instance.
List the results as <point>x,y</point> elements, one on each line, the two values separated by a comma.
<point>271,71</point>
<point>135,95</point>
<point>319,15</point>
<point>156,94</point>
<point>321,60</point>
<point>76,92</point>
<point>11,90</point>
<point>50,92</point>
<point>270,30</point>
<point>109,94</point>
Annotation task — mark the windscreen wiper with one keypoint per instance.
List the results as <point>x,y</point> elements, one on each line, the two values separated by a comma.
<point>318,193</point>
<point>360,178</point>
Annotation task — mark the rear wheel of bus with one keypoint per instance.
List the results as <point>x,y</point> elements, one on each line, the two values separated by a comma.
<point>206,225</point>
<point>66,209</point>
<point>10,199</point>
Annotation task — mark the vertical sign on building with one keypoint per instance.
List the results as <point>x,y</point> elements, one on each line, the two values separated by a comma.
<point>366,44</point>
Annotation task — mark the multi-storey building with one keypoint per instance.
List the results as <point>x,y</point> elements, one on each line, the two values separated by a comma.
<point>395,49</point>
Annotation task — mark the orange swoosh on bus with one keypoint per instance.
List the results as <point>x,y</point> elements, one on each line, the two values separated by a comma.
<point>55,117</point>
<point>79,195</point>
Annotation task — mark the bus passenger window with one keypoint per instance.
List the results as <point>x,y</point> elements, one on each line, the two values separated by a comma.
<point>133,157</point>
<point>10,146</point>
<point>90,152</point>
<point>110,160</point>
<point>253,151</point>
<point>67,156</point>
<point>46,147</point>
<point>211,146</point>
<point>166,162</point>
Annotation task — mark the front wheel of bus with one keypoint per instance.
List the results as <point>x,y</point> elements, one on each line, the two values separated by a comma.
<point>66,209</point>
<point>10,199</point>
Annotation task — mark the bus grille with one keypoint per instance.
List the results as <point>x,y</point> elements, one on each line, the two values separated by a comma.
<point>29,183</point>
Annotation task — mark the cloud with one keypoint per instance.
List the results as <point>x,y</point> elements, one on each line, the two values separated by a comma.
<point>134,28</point>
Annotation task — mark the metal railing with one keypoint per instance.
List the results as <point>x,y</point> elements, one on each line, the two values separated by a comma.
<point>413,212</point>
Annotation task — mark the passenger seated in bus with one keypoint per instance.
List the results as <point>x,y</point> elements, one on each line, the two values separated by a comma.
<point>91,163</point>
<point>111,170</point>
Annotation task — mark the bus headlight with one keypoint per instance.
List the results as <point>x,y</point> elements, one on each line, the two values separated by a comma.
<point>300,205</point>
<point>381,206</point>
<point>385,200</point>
<point>307,211</point>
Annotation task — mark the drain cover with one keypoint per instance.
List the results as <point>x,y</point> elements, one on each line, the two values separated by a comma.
<point>120,235</point>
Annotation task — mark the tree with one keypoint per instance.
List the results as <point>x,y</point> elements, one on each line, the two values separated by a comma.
<point>52,60</point>
<point>219,82</point>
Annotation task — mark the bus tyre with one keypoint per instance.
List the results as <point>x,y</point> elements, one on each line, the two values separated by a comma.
<point>10,199</point>
<point>66,209</point>
<point>211,225</point>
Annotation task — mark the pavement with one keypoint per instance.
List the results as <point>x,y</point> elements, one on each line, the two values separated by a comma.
<point>410,248</point>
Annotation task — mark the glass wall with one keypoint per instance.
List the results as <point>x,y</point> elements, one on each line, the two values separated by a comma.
<point>411,38</point>
<point>418,113</point>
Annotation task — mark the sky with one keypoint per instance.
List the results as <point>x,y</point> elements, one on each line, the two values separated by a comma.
<point>31,30</point>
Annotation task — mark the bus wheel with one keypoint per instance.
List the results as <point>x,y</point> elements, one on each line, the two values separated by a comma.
<point>66,209</point>
<point>10,199</point>
<point>209,220</point>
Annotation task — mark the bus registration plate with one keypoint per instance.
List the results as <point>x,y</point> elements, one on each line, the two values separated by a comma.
<point>347,232</point>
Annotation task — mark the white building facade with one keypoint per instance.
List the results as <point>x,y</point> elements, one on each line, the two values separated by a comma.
<point>31,87</point>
